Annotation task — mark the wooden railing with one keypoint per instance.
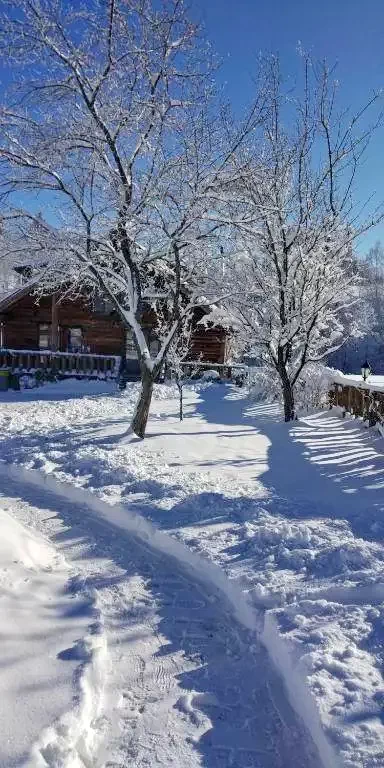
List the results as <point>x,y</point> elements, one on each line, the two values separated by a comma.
<point>60,363</point>
<point>359,400</point>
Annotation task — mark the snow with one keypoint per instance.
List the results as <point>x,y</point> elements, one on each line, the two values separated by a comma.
<point>374,383</point>
<point>39,623</point>
<point>218,317</point>
<point>210,375</point>
<point>212,538</point>
<point>184,681</point>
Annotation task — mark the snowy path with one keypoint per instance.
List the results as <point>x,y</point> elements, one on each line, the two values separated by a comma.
<point>185,684</point>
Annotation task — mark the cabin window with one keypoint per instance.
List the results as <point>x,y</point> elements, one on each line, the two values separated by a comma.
<point>130,349</point>
<point>99,304</point>
<point>102,306</point>
<point>44,335</point>
<point>75,339</point>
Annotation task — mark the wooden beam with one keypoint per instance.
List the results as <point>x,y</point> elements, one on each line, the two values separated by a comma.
<point>54,324</point>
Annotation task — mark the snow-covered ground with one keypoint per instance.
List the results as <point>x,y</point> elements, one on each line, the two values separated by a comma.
<point>170,671</point>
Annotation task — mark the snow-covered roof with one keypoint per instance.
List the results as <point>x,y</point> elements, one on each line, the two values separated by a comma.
<point>217,317</point>
<point>10,298</point>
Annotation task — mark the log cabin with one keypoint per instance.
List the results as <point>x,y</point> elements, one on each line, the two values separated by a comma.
<point>87,339</point>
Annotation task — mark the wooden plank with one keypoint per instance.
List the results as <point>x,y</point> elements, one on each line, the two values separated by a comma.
<point>54,323</point>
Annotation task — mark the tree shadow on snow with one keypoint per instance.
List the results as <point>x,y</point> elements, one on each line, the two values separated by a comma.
<point>320,466</point>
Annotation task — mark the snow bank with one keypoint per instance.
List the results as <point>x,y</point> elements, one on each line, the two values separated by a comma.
<point>300,697</point>
<point>210,375</point>
<point>39,660</point>
<point>73,740</point>
<point>21,546</point>
<point>324,646</point>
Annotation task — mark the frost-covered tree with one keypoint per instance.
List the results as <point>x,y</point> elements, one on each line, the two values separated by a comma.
<point>374,287</point>
<point>368,342</point>
<point>295,218</point>
<point>111,123</point>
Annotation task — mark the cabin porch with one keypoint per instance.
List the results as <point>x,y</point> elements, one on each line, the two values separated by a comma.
<point>61,364</point>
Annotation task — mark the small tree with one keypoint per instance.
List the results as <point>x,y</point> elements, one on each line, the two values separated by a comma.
<point>294,273</point>
<point>177,356</point>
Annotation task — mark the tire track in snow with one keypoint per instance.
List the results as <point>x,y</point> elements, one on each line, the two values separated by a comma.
<point>187,683</point>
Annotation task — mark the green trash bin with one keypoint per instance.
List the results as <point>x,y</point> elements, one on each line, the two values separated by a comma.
<point>4,381</point>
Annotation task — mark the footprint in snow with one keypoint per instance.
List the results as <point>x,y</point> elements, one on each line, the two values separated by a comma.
<point>192,703</point>
<point>78,652</point>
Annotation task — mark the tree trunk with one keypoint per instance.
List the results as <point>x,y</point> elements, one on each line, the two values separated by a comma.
<point>289,403</point>
<point>141,412</point>
<point>180,388</point>
<point>287,389</point>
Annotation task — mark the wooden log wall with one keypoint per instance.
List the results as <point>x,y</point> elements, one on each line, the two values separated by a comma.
<point>102,333</point>
<point>208,345</point>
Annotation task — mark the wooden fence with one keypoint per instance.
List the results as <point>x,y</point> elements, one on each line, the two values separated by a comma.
<point>62,364</point>
<point>359,401</point>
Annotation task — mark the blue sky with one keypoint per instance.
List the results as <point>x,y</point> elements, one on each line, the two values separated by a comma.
<point>347,32</point>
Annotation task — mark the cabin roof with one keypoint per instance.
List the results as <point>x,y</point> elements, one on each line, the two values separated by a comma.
<point>14,296</point>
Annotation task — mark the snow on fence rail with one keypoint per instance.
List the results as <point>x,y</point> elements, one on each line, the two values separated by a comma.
<point>359,398</point>
<point>30,361</point>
